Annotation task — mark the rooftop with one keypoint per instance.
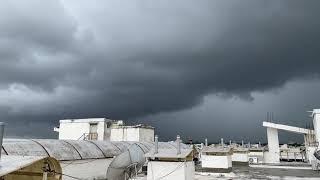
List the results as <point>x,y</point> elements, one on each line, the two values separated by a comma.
<point>169,153</point>
<point>219,149</point>
<point>88,120</point>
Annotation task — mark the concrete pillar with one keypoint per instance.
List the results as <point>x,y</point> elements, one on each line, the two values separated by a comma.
<point>273,156</point>
<point>316,124</point>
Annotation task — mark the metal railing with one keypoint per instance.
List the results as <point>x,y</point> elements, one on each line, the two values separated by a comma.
<point>89,136</point>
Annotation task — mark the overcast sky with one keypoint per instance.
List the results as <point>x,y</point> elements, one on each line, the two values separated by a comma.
<point>209,68</point>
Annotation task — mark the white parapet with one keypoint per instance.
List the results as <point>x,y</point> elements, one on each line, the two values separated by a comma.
<point>240,157</point>
<point>216,162</point>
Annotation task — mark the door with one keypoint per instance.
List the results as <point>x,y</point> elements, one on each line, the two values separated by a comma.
<point>93,135</point>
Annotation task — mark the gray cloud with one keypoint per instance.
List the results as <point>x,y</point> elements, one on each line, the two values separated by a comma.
<point>62,59</point>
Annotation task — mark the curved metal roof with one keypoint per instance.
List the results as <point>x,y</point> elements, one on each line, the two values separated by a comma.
<point>74,150</point>
<point>109,149</point>
<point>23,147</point>
<point>86,150</point>
<point>61,150</point>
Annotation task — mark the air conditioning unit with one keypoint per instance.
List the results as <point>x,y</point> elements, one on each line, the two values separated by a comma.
<point>253,160</point>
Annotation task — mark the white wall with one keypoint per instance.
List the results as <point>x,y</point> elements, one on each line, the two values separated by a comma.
<point>132,134</point>
<point>170,170</point>
<point>86,169</point>
<point>240,157</point>
<point>75,130</point>
<point>218,162</point>
<point>258,154</point>
<point>146,135</point>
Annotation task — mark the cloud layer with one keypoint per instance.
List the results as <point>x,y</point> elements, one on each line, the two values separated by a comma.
<point>69,59</point>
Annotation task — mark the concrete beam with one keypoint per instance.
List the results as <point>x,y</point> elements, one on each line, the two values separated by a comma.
<point>288,128</point>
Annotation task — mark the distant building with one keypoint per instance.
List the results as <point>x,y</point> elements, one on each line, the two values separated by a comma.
<point>216,159</point>
<point>170,164</point>
<point>103,129</point>
<point>141,133</point>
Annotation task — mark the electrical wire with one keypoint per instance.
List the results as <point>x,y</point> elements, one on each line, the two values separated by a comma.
<point>171,171</point>
<point>68,176</point>
<point>175,169</point>
<point>73,163</point>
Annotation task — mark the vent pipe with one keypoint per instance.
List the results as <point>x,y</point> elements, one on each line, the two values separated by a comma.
<point>206,142</point>
<point>1,135</point>
<point>178,145</point>
<point>222,143</point>
<point>259,144</point>
<point>242,143</point>
<point>156,144</point>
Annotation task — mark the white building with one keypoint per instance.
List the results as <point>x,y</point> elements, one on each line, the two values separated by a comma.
<point>217,159</point>
<point>88,129</point>
<point>167,164</point>
<point>240,155</point>
<point>140,133</point>
<point>311,137</point>
<point>103,129</point>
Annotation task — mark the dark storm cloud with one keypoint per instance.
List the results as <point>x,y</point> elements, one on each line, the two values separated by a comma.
<point>126,60</point>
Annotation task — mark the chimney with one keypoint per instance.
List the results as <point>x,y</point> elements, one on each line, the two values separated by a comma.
<point>1,135</point>
<point>156,143</point>
<point>178,145</point>
<point>242,143</point>
<point>222,143</point>
<point>206,142</point>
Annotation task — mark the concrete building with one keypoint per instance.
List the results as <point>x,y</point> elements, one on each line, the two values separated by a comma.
<point>86,129</point>
<point>240,156</point>
<point>273,153</point>
<point>103,129</point>
<point>216,159</point>
<point>170,164</point>
<point>288,153</point>
<point>139,133</point>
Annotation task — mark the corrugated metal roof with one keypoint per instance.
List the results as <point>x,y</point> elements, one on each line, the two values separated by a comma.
<point>66,149</point>
<point>108,149</point>
<point>75,150</point>
<point>23,147</point>
<point>86,150</point>
<point>123,145</point>
<point>61,150</point>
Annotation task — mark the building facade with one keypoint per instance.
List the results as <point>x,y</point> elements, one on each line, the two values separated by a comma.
<point>103,129</point>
